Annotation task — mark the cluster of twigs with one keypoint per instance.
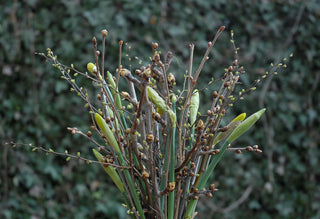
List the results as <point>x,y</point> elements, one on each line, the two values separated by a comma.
<point>157,148</point>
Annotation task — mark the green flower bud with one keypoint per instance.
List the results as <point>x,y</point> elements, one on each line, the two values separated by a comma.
<point>107,132</point>
<point>161,104</point>
<point>232,125</point>
<point>245,125</point>
<point>113,91</point>
<point>111,171</point>
<point>194,106</point>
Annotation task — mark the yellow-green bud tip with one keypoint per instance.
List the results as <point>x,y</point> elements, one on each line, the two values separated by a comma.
<point>91,68</point>
<point>245,125</point>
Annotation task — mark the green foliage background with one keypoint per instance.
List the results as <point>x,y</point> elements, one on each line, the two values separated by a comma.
<point>36,105</point>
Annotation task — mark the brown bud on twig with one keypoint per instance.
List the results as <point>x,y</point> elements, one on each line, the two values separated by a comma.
<point>94,40</point>
<point>104,33</point>
<point>171,186</point>
<point>155,46</point>
<point>150,138</point>
<point>235,62</point>
<point>215,94</point>
<point>145,175</point>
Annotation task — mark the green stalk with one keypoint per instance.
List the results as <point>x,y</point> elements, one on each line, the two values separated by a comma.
<point>171,204</point>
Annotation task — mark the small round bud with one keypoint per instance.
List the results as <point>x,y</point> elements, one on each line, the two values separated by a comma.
<point>145,175</point>
<point>94,40</point>
<point>89,134</point>
<point>104,33</point>
<point>235,62</point>
<point>226,84</point>
<point>195,190</point>
<point>150,138</point>
<point>108,119</point>
<point>155,46</point>
<point>171,186</point>
<point>156,57</point>
<point>238,151</point>
<point>249,148</point>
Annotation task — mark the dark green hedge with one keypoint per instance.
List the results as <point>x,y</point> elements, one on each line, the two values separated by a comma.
<point>36,105</point>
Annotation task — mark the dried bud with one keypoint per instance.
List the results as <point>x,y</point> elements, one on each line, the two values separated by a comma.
<point>138,72</point>
<point>99,97</point>
<point>120,42</point>
<point>171,79</point>
<point>212,186</point>
<point>238,151</point>
<point>226,84</point>
<point>249,148</point>
<point>108,119</point>
<point>195,190</point>
<point>209,195</point>
<point>145,175</point>
<point>215,94</point>
<point>155,46</point>
<point>104,33</point>
<point>89,134</point>
<point>97,52</point>
<point>200,125</point>
<point>124,72</point>
<point>171,186</point>
<point>230,69</point>
<point>150,138</point>
<point>235,62</point>
<point>255,146</point>
<point>125,94</point>
<point>156,57</point>
<point>94,40</point>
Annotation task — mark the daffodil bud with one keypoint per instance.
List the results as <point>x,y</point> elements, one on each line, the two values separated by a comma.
<point>103,126</point>
<point>113,90</point>
<point>111,171</point>
<point>194,106</point>
<point>245,125</point>
<point>161,104</point>
<point>232,125</point>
